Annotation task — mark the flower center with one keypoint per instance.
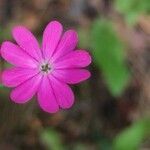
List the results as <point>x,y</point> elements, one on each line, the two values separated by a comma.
<point>45,68</point>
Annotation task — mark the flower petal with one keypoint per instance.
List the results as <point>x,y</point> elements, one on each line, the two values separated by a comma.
<point>46,97</point>
<point>27,41</point>
<point>75,59</point>
<point>51,37</point>
<point>14,76</point>
<point>67,44</point>
<point>71,76</point>
<point>63,93</point>
<point>16,56</point>
<point>26,90</point>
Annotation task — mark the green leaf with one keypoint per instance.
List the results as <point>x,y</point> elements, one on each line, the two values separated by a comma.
<point>132,137</point>
<point>51,139</point>
<point>132,9</point>
<point>108,52</point>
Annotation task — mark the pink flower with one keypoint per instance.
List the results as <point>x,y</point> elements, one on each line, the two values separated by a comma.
<point>44,71</point>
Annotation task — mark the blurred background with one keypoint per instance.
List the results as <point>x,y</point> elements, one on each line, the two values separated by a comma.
<point>112,108</point>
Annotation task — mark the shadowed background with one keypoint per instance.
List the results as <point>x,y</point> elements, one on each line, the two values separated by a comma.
<point>112,108</point>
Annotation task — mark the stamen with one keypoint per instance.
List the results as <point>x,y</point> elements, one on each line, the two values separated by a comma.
<point>45,68</point>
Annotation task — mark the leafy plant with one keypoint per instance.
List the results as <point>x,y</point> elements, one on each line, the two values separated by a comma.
<point>132,137</point>
<point>109,56</point>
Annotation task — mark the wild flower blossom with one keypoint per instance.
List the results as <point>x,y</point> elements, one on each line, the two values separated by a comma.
<point>44,71</point>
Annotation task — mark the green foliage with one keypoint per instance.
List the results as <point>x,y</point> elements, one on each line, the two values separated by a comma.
<point>51,139</point>
<point>131,9</point>
<point>108,52</point>
<point>132,137</point>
